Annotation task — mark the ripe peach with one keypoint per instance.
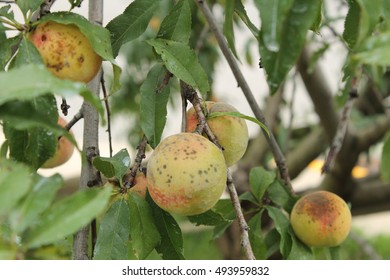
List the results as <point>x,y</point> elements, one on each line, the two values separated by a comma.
<point>64,150</point>
<point>66,52</point>
<point>231,132</point>
<point>321,219</point>
<point>140,184</point>
<point>186,174</point>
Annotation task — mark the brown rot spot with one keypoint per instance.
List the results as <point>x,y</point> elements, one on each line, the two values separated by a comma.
<point>43,37</point>
<point>80,59</point>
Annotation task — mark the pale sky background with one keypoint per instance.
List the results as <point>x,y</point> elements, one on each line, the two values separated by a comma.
<point>226,90</point>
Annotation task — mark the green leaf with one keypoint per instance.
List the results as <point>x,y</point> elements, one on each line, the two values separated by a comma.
<point>225,208</point>
<point>8,253</point>
<point>15,182</point>
<point>182,62</point>
<point>39,198</point>
<point>116,166</point>
<point>132,23</point>
<point>143,231</point>
<point>282,225</point>
<point>6,47</point>
<point>256,237</point>
<point>299,251</point>
<point>386,12</point>
<point>171,244</point>
<point>259,181</point>
<point>374,50</point>
<point>278,193</point>
<point>273,14</point>
<point>4,149</point>
<point>114,231</point>
<point>272,241</point>
<point>385,160</point>
<point>37,81</point>
<point>75,3</point>
<point>284,27</point>
<point>361,19</point>
<point>248,196</point>
<point>228,29</point>
<point>317,22</point>
<point>153,107</point>
<point>31,128</point>
<point>7,12</point>
<point>67,216</point>
<point>38,112</point>
<point>352,22</point>
<point>209,218</point>
<point>176,26</point>
<point>27,54</point>
<point>241,12</point>
<point>239,115</point>
<point>28,5</point>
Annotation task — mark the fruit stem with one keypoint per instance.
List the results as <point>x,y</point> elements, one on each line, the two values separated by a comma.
<point>137,162</point>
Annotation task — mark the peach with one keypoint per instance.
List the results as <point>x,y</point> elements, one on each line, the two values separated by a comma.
<point>231,132</point>
<point>140,184</point>
<point>63,152</point>
<point>186,174</point>
<point>321,219</point>
<point>66,52</point>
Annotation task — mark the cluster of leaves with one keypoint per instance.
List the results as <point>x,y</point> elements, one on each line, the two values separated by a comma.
<point>30,214</point>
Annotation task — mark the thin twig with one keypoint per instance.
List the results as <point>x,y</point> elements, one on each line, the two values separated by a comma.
<point>244,228</point>
<point>193,97</point>
<point>108,112</point>
<point>167,77</point>
<point>183,109</point>
<point>341,131</point>
<point>137,162</point>
<point>241,81</point>
<point>74,120</point>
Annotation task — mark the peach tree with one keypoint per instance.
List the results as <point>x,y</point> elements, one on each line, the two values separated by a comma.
<point>161,55</point>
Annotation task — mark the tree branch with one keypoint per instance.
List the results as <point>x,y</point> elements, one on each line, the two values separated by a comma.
<point>320,94</point>
<point>193,97</point>
<point>374,133</point>
<point>276,151</point>
<point>90,177</point>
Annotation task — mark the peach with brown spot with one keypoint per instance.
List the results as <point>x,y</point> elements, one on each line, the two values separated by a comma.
<point>321,219</point>
<point>231,132</point>
<point>66,51</point>
<point>186,174</point>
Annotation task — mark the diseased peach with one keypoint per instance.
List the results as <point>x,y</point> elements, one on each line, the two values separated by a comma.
<point>66,52</point>
<point>231,132</point>
<point>63,152</point>
<point>186,174</point>
<point>321,219</point>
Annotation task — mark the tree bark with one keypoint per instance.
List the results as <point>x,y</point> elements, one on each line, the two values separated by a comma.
<point>90,177</point>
